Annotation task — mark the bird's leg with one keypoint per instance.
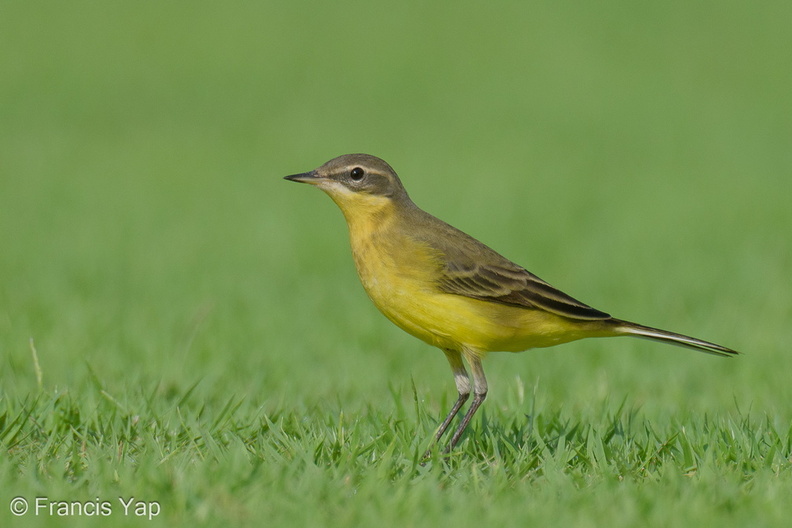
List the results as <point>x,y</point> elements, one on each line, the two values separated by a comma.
<point>463,388</point>
<point>479,393</point>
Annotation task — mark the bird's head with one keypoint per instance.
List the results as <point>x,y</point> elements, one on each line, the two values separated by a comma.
<point>356,182</point>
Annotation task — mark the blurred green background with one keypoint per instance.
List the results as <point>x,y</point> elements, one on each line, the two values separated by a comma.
<point>636,155</point>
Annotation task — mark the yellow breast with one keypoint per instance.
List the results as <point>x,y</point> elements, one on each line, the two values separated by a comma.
<point>400,273</point>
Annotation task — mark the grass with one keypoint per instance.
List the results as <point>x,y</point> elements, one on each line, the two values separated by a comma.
<point>232,461</point>
<point>200,336</point>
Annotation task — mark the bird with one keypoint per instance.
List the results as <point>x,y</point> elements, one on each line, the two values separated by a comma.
<point>453,292</point>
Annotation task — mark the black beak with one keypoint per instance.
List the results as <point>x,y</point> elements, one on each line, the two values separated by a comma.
<point>305,177</point>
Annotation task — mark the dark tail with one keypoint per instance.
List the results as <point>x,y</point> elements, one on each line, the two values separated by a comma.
<point>655,334</point>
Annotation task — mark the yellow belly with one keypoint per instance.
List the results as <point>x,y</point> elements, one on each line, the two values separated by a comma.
<point>399,276</point>
<point>455,322</point>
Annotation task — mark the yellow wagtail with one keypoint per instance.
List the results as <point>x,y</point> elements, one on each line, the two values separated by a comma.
<point>450,290</point>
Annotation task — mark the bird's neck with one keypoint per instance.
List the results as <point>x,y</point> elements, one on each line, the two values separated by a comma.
<point>367,214</point>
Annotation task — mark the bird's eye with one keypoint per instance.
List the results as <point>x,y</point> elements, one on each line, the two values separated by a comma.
<point>356,174</point>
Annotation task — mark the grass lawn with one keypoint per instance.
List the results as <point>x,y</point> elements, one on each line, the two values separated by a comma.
<point>183,331</point>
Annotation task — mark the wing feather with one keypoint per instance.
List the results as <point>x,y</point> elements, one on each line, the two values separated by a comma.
<point>469,268</point>
<point>514,286</point>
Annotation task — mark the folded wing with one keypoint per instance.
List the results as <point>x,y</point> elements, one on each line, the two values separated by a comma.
<point>513,285</point>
